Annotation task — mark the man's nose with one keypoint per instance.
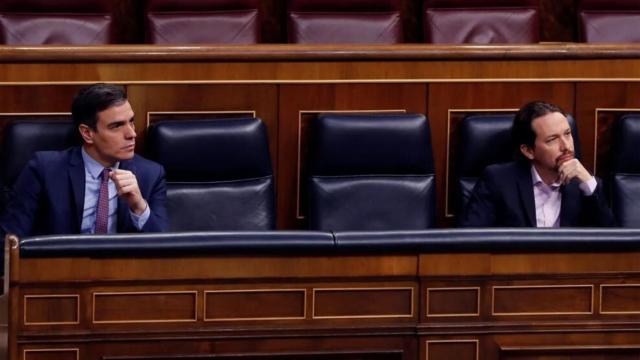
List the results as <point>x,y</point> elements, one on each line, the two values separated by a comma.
<point>131,132</point>
<point>566,144</point>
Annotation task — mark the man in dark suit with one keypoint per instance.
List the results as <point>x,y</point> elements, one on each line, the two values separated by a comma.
<point>99,187</point>
<point>546,186</point>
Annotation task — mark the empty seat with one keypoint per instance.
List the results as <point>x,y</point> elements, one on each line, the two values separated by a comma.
<point>625,179</point>
<point>22,139</point>
<point>39,22</point>
<point>481,21</point>
<point>371,172</point>
<point>609,20</point>
<point>219,174</point>
<point>336,21</point>
<point>485,139</point>
<point>202,21</point>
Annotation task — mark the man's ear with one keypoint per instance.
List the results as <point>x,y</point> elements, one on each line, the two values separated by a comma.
<point>86,132</point>
<point>526,151</point>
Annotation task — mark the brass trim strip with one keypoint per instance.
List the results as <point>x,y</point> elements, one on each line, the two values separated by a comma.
<point>476,288</point>
<point>299,216</point>
<point>304,309</point>
<point>76,350</point>
<point>35,113</point>
<point>476,342</point>
<point>93,307</point>
<point>331,81</point>
<point>447,211</point>
<point>76,296</point>
<point>602,286</point>
<point>493,293</point>
<point>150,113</point>
<point>313,304</point>
<point>595,129</point>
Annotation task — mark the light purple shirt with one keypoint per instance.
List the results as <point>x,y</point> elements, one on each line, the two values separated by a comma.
<point>548,199</point>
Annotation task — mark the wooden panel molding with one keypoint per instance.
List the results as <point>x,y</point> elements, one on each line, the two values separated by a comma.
<point>542,300</point>
<point>620,299</point>
<point>463,349</point>
<point>255,304</point>
<point>353,303</point>
<point>51,354</point>
<point>144,307</point>
<point>54,309</point>
<point>452,301</point>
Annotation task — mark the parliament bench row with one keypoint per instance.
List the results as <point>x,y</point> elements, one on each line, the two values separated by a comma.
<point>364,171</point>
<point>37,22</point>
<point>284,295</point>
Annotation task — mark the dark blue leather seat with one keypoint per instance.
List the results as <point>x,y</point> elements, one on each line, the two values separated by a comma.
<point>22,139</point>
<point>485,139</point>
<point>219,174</point>
<point>625,179</point>
<point>371,172</point>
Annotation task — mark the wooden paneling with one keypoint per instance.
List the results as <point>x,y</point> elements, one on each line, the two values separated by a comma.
<point>597,107</point>
<point>451,349</point>
<point>51,354</point>
<point>620,299</point>
<point>452,301</point>
<point>138,307</point>
<point>363,303</point>
<point>254,304</point>
<point>542,300</point>
<point>51,309</point>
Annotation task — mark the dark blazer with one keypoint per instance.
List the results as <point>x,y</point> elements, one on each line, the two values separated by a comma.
<point>48,196</point>
<point>503,197</point>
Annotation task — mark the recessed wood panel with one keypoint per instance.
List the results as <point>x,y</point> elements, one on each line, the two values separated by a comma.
<point>134,307</point>
<point>451,349</point>
<point>363,303</point>
<point>51,354</point>
<point>453,302</point>
<point>573,352</point>
<point>542,300</point>
<point>254,304</point>
<point>620,299</point>
<point>51,309</point>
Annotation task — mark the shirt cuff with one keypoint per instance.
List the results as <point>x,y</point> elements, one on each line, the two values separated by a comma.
<point>140,220</point>
<point>588,187</point>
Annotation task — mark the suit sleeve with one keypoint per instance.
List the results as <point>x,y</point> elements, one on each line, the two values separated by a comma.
<point>157,199</point>
<point>481,208</point>
<point>595,210</point>
<point>25,201</point>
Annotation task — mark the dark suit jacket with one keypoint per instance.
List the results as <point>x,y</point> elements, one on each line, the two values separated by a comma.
<point>503,197</point>
<point>48,196</point>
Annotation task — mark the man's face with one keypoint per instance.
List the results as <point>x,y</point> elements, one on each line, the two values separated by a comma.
<point>114,138</point>
<point>553,144</point>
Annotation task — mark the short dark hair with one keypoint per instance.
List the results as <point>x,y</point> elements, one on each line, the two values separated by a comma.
<point>522,131</point>
<point>93,99</point>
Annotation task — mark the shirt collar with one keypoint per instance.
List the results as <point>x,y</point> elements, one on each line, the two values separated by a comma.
<point>92,166</point>
<point>537,180</point>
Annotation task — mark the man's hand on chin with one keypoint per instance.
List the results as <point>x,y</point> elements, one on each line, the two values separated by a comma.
<point>569,168</point>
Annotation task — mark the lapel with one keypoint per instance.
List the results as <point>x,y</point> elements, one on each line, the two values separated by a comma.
<point>124,220</point>
<point>77,180</point>
<point>525,192</point>
<point>569,209</point>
